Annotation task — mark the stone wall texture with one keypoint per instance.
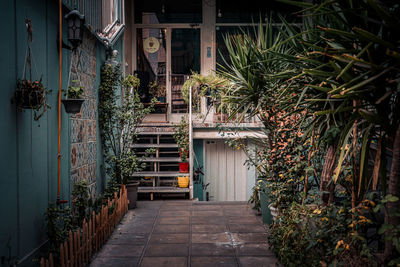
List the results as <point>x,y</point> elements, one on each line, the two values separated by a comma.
<point>83,138</point>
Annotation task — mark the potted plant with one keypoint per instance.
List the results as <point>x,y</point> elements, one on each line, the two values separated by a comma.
<point>158,91</point>
<point>31,95</point>
<point>181,137</point>
<point>73,102</point>
<point>183,181</point>
<point>118,121</point>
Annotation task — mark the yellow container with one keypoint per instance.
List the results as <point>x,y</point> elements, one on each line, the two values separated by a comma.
<point>183,181</point>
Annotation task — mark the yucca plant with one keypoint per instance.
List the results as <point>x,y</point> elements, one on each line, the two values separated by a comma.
<point>351,82</point>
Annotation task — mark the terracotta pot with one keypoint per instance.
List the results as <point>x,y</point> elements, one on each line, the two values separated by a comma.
<point>184,167</point>
<point>132,190</point>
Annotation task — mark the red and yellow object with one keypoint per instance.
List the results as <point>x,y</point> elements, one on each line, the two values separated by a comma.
<point>183,181</point>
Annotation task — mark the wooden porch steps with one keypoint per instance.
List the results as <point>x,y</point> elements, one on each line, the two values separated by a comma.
<point>162,165</point>
<point>162,189</point>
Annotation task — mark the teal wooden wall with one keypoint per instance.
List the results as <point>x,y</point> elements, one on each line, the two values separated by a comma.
<point>198,148</point>
<point>28,156</point>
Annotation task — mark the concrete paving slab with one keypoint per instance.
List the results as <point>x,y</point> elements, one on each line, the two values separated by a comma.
<point>119,251</point>
<point>250,237</point>
<point>172,228</point>
<point>257,249</point>
<point>209,228</point>
<point>212,249</point>
<point>169,238</point>
<point>174,220</point>
<point>209,220</point>
<point>257,261</point>
<point>164,262</point>
<point>174,213</point>
<point>247,228</point>
<point>188,233</point>
<point>167,250</point>
<point>115,262</point>
<point>213,262</point>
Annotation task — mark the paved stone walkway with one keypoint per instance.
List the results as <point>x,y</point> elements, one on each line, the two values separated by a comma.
<point>186,233</point>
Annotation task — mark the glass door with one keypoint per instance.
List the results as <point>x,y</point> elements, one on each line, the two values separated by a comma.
<point>166,57</point>
<point>185,59</point>
<point>152,64</point>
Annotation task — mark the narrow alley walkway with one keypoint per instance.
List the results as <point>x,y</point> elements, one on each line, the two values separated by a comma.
<point>186,233</point>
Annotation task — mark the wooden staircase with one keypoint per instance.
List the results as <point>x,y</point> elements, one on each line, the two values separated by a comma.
<point>162,166</point>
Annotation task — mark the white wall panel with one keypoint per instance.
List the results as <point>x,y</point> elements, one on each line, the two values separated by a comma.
<point>225,171</point>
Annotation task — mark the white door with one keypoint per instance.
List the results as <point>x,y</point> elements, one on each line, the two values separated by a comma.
<point>225,171</point>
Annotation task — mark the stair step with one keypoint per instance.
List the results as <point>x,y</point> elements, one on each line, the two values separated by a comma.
<point>155,145</point>
<point>162,189</point>
<point>164,159</point>
<point>159,174</point>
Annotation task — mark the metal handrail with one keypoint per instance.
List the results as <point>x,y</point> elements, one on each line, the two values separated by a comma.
<point>191,152</point>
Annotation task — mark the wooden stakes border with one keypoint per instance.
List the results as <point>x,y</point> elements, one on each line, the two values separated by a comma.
<point>78,250</point>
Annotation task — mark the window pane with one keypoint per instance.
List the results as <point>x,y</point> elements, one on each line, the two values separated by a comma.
<point>171,11</point>
<point>151,62</point>
<point>185,58</point>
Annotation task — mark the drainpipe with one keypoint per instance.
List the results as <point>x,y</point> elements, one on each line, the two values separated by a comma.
<point>59,99</point>
<point>190,146</point>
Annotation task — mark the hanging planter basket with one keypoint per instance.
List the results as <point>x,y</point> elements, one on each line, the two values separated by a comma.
<point>29,97</point>
<point>72,106</point>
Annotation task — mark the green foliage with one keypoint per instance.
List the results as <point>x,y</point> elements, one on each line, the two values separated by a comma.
<point>208,86</point>
<point>80,200</point>
<point>338,75</point>
<point>119,118</point>
<point>255,198</point>
<point>391,232</point>
<point>157,90</point>
<point>32,95</point>
<point>181,137</point>
<point>59,222</point>
<point>74,91</point>
<point>315,236</point>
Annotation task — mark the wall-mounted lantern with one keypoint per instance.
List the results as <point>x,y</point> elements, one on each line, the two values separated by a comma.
<point>75,22</point>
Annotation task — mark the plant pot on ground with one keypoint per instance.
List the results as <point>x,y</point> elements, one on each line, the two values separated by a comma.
<point>73,102</point>
<point>132,189</point>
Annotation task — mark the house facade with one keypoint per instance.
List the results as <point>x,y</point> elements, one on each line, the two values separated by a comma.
<point>165,42</point>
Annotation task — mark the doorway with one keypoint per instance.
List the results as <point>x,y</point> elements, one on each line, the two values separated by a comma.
<point>166,56</point>
<point>225,172</point>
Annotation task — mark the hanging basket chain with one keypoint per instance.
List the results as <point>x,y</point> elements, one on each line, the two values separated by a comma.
<point>30,94</point>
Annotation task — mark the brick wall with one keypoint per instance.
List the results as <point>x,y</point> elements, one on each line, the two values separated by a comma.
<point>83,139</point>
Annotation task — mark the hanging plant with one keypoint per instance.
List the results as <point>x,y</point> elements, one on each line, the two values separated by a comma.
<point>30,94</point>
<point>73,102</point>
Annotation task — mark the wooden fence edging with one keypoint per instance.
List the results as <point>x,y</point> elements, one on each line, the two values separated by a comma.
<point>78,250</point>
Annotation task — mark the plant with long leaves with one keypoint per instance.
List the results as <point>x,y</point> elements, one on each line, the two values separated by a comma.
<point>350,83</point>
